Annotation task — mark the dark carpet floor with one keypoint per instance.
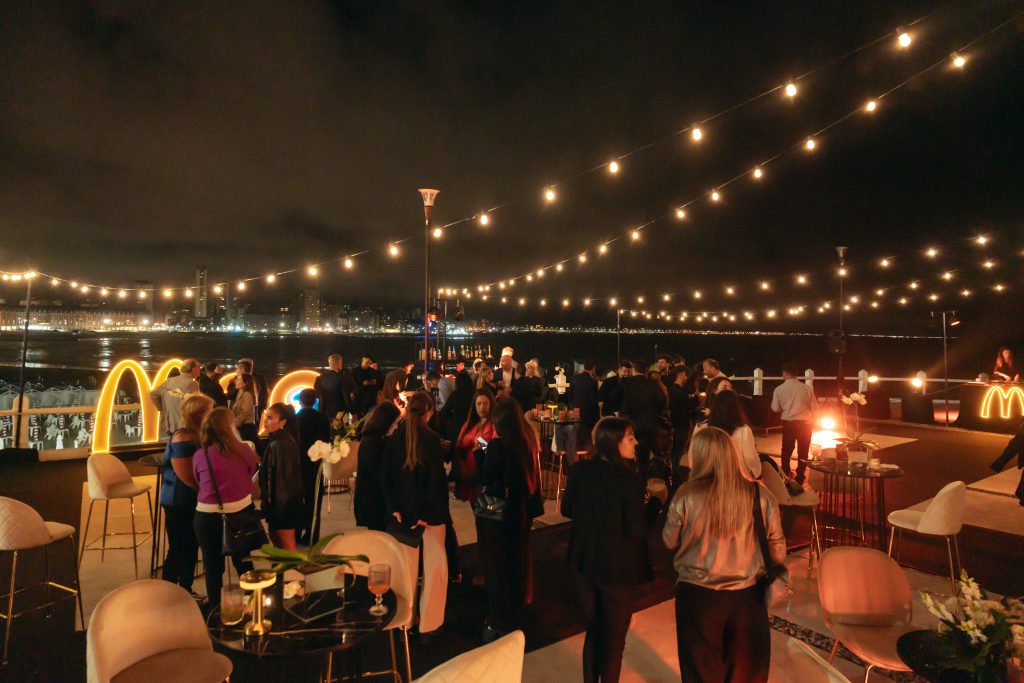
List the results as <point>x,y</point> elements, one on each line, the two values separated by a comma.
<point>45,649</point>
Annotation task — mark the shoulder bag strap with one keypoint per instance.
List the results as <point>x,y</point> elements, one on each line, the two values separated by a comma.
<point>762,534</point>
<point>213,478</point>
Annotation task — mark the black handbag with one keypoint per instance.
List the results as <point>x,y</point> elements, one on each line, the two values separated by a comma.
<point>242,531</point>
<point>774,585</point>
<point>410,536</point>
<point>490,506</point>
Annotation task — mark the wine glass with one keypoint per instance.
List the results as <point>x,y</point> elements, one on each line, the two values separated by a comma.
<point>232,604</point>
<point>378,581</point>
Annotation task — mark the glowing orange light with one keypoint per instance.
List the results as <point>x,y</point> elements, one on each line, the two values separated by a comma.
<point>1006,397</point>
<point>105,404</point>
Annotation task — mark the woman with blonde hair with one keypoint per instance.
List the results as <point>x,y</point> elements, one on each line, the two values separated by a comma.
<point>223,467</point>
<point>722,628</point>
<point>178,491</point>
<point>415,492</point>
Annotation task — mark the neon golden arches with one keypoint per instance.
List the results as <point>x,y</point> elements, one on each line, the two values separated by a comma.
<point>289,384</point>
<point>1006,400</point>
<point>226,380</point>
<point>105,405</point>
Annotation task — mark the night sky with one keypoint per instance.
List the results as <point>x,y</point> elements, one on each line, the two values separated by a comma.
<point>138,140</point>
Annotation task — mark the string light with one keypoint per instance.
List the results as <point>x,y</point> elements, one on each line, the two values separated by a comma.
<point>393,249</point>
<point>484,219</point>
<point>188,293</point>
<point>715,195</point>
<point>904,40</point>
<point>241,286</point>
<point>801,279</point>
<point>540,272</point>
<point>758,173</point>
<point>765,286</point>
<point>640,299</point>
<point>981,240</point>
<point>932,252</point>
<point>168,293</point>
<point>635,234</point>
<point>884,263</point>
<point>543,302</point>
<point>586,302</point>
<point>999,287</point>
<point>871,106</point>
<point>947,275</point>
<point>549,195</point>
<point>271,278</point>
<point>559,268</point>
<point>312,271</point>
<point>348,263</point>
<point>965,292</point>
<point>85,289</point>
<point>437,233</point>
<point>103,291</point>
<point>603,248</point>
<point>810,144</point>
<point>583,258</point>
<point>696,134</point>
<point>730,290</point>
<point>613,167</point>
<point>697,294</point>
<point>903,301</point>
<point>934,297</point>
<point>680,214</point>
<point>879,292</point>
<point>913,285</point>
<point>612,302</point>
<point>74,284</point>
<point>142,294</point>
<point>565,303</point>
<point>790,90</point>
<point>217,289</point>
<point>989,264</point>
<point>122,294</point>
<point>959,61</point>
<point>54,282</point>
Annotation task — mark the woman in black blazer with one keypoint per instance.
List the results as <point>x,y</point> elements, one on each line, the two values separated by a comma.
<point>369,497</point>
<point>509,470</point>
<point>608,556</point>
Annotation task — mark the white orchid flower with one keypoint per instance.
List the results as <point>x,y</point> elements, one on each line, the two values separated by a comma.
<point>319,451</point>
<point>847,400</point>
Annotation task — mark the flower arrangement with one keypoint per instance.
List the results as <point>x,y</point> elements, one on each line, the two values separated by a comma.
<point>983,637</point>
<point>854,441</point>
<point>305,562</point>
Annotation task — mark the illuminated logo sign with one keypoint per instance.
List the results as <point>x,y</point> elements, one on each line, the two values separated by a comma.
<point>1006,398</point>
<point>150,414</point>
<point>286,390</point>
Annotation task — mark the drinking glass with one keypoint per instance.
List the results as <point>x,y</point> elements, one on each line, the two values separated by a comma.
<point>232,604</point>
<point>378,581</point>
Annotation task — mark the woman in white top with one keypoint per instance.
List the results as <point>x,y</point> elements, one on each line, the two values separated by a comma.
<point>727,414</point>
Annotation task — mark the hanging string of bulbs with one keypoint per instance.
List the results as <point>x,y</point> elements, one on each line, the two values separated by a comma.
<point>483,218</point>
<point>808,144</point>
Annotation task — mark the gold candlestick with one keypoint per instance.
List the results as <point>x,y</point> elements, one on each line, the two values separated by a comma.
<point>255,581</point>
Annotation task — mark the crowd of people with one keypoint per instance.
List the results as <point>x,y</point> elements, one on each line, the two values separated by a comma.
<point>650,430</point>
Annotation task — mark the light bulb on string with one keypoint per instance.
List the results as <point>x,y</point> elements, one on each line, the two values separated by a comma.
<point>989,263</point>
<point>913,285</point>
<point>640,299</point>
<point>241,286</point>
<point>540,272</point>
<point>348,263</point>
<point>932,252</point>
<point>790,90</point>
<point>697,294</point>
<point>603,248</point>
<point>188,293</point>
<point>393,249</point>
<point>85,289</point>
<point>948,275</point>
<point>438,232</point>
<point>665,297</point>
<point>558,268</point>
<point>142,294</point>
<point>730,290</point>
<point>765,286</point>
<point>635,234</point>
<point>167,294</point>
<point>74,283</point>
<point>312,271</point>
<point>586,302</point>
<point>959,61</point>
<point>217,289</point>
<point>965,292</point>
<point>696,134</point>
<point>122,294</point>
<point>999,287</point>
<point>613,167</point>
<point>716,196</point>
<point>758,173</point>
<point>801,279</point>
<point>54,282</point>
<point>484,219</point>
<point>103,291</point>
<point>583,258</point>
<point>529,278</point>
<point>680,214</point>
<point>611,302</point>
<point>271,279</point>
<point>879,292</point>
<point>904,40</point>
<point>549,195</point>
<point>903,301</point>
<point>884,263</point>
<point>871,106</point>
<point>810,144</point>
<point>981,240</point>
<point>565,303</point>
<point>543,302</point>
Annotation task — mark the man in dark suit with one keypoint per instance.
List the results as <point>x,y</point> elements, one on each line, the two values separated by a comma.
<point>209,384</point>
<point>642,402</point>
<point>610,393</point>
<point>313,426</point>
<point>582,394</point>
<point>368,382</point>
<point>335,388</point>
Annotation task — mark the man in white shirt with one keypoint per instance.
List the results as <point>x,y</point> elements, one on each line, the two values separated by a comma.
<point>506,374</point>
<point>167,397</point>
<point>799,407</point>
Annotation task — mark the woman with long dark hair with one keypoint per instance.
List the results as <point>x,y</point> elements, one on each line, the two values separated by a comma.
<point>727,414</point>
<point>1006,367</point>
<point>281,476</point>
<point>478,427</point>
<point>416,493</point>
<point>243,407</point>
<point>223,468</point>
<point>369,497</point>
<point>608,555</point>
<point>722,628</point>
<point>508,471</point>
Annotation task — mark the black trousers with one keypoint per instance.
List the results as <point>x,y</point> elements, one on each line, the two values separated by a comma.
<point>505,557</point>
<point>798,432</point>
<point>182,545</point>
<point>722,636</point>
<point>606,614</point>
<point>451,548</point>
<point>644,444</point>
<point>210,532</point>
<point>309,532</point>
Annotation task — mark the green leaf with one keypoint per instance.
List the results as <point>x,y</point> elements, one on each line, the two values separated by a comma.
<point>274,551</point>
<point>321,544</point>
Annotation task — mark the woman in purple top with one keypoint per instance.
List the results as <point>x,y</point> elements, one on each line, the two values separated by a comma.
<point>234,463</point>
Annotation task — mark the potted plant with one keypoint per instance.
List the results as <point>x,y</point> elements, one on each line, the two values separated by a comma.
<point>853,446</point>
<point>980,639</point>
<point>309,563</point>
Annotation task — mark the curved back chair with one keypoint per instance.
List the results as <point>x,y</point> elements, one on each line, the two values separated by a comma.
<point>809,667</point>
<point>867,603</point>
<point>109,480</point>
<point>944,517</point>
<point>382,548</point>
<point>808,500</point>
<point>151,630</point>
<point>497,662</point>
<point>21,529</point>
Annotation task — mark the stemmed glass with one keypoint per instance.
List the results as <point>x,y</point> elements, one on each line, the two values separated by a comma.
<point>378,581</point>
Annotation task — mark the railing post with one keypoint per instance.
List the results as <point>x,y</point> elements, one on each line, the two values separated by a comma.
<point>758,382</point>
<point>862,382</point>
<point>809,377</point>
<point>923,376</point>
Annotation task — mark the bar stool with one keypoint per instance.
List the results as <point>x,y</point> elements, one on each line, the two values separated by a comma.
<point>21,528</point>
<point>944,516</point>
<point>109,479</point>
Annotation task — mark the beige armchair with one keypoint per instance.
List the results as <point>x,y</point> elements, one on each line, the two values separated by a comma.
<point>151,630</point>
<point>497,662</point>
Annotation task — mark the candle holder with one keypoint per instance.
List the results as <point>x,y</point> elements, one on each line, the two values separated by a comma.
<point>256,581</point>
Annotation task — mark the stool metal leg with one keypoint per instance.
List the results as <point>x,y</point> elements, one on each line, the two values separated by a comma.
<point>10,606</point>
<point>394,660</point>
<point>106,516</point>
<point>85,534</point>
<point>78,582</point>
<point>135,545</point>
<point>952,571</point>
<point>892,537</point>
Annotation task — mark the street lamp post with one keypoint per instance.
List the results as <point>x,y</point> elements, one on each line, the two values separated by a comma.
<point>428,196</point>
<point>618,336</point>
<point>950,318</point>
<point>24,357</point>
